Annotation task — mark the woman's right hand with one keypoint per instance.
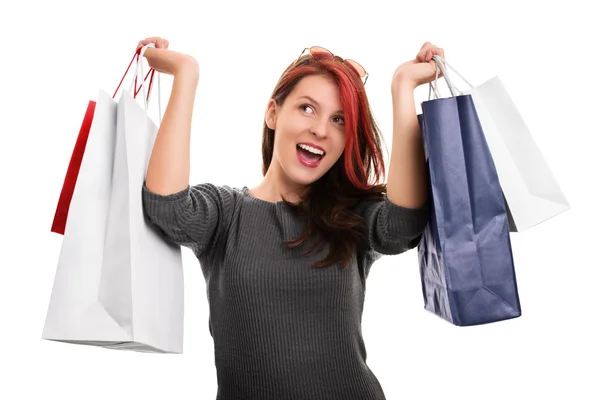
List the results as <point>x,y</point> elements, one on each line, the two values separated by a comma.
<point>167,61</point>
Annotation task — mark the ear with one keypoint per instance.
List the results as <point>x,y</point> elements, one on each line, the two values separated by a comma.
<point>271,114</point>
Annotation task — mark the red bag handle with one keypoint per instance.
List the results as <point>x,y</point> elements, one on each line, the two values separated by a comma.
<point>150,72</point>
<point>62,208</point>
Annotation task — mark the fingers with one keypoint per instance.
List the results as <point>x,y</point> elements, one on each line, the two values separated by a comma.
<point>162,43</point>
<point>427,52</point>
<point>441,53</point>
<point>159,42</point>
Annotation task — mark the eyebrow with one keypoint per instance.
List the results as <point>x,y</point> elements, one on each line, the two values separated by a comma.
<point>317,103</point>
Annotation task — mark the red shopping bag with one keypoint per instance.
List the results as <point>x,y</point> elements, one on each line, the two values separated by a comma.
<point>66,194</point>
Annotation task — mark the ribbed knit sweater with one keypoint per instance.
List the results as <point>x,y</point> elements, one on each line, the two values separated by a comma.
<point>282,329</point>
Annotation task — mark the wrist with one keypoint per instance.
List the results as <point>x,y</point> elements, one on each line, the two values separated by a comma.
<point>403,90</point>
<point>402,85</point>
<point>187,70</point>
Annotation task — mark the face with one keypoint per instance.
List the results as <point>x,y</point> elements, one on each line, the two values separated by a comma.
<point>309,121</point>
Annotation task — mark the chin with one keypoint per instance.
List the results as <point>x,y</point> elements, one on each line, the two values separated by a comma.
<point>308,177</point>
<point>304,179</point>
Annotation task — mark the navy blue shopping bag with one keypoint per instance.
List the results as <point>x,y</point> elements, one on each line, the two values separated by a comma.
<point>465,255</point>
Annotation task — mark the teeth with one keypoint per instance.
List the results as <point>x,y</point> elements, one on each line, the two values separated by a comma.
<point>311,149</point>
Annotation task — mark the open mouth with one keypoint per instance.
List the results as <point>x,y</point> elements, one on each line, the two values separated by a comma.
<point>307,157</point>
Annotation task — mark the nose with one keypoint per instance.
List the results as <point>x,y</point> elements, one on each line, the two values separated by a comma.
<point>319,128</point>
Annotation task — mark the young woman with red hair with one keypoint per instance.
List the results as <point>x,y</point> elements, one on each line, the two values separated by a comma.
<point>286,262</point>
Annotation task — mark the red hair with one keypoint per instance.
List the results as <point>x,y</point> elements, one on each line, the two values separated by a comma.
<point>329,204</point>
<point>362,155</point>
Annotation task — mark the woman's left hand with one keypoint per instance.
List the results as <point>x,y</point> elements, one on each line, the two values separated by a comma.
<point>419,71</point>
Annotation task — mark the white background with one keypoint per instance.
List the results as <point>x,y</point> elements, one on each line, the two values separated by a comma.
<point>54,56</point>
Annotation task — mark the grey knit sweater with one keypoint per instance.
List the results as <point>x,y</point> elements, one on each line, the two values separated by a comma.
<point>282,330</point>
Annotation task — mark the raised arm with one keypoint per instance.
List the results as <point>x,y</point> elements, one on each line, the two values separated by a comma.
<point>396,224</point>
<point>169,166</point>
<point>191,216</point>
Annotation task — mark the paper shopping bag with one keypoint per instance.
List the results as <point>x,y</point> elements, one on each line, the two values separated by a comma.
<point>465,255</point>
<point>531,191</point>
<point>117,285</point>
<point>141,285</point>
<point>66,194</point>
<point>74,314</point>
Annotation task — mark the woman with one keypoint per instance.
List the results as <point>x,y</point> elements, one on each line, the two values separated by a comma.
<point>286,262</point>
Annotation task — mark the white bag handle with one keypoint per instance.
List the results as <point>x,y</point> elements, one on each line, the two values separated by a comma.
<point>441,64</point>
<point>140,71</point>
<point>433,85</point>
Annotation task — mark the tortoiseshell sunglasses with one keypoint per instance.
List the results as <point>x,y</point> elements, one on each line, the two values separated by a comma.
<point>316,50</point>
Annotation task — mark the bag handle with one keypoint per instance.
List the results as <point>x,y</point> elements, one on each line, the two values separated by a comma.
<point>125,74</point>
<point>140,69</point>
<point>442,64</point>
<point>433,86</point>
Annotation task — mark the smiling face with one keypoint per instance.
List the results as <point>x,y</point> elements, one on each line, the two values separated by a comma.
<point>309,121</point>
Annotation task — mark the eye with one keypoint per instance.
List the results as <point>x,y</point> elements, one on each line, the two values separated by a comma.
<point>305,106</point>
<point>341,119</point>
<point>337,119</point>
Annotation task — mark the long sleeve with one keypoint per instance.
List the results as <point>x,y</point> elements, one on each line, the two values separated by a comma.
<point>193,217</point>
<point>393,229</point>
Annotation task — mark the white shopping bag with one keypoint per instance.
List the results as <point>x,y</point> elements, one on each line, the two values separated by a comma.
<point>142,277</point>
<point>118,283</point>
<point>531,192</point>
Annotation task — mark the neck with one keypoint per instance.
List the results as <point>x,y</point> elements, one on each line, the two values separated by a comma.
<point>276,184</point>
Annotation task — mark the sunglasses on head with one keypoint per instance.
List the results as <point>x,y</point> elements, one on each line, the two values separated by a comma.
<point>317,51</point>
